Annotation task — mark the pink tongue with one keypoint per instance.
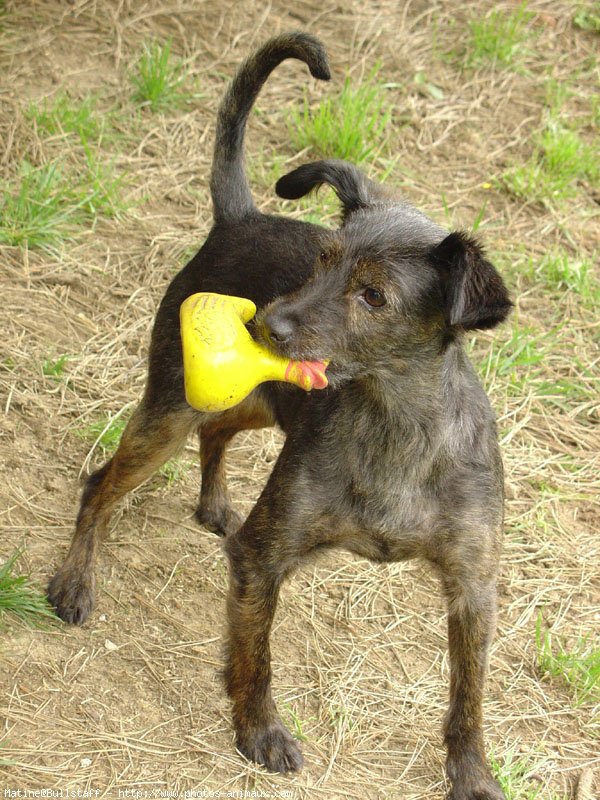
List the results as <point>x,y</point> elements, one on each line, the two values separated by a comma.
<point>316,371</point>
<point>307,374</point>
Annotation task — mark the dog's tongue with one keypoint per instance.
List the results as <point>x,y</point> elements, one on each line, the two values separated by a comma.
<point>307,374</point>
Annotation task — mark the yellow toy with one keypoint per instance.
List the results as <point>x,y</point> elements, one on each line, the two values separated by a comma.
<point>222,363</point>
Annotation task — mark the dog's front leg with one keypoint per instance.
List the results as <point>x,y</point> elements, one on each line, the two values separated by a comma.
<point>255,578</point>
<point>471,625</point>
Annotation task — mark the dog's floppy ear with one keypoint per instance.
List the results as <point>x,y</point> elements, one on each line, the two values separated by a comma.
<point>352,187</point>
<point>473,291</point>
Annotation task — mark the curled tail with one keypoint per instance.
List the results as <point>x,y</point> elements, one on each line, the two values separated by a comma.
<point>228,183</point>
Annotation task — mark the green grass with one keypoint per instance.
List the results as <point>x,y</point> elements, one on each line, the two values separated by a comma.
<point>46,205</point>
<point>518,360</point>
<point>295,724</point>
<point>559,271</point>
<point>498,39</point>
<point>529,361</point>
<point>560,162</point>
<point>340,717</point>
<point>157,79</point>
<point>518,775</point>
<point>51,203</point>
<point>588,19</point>
<point>103,187</point>
<point>351,126</point>
<point>577,667</point>
<point>426,88</point>
<point>6,762</point>
<point>320,208</point>
<point>595,111</point>
<point>54,368</point>
<point>106,433</point>
<point>480,217</point>
<point>175,470</point>
<point>21,598</point>
<point>44,209</point>
<point>265,169</point>
<point>478,220</point>
<point>566,157</point>
<point>63,116</point>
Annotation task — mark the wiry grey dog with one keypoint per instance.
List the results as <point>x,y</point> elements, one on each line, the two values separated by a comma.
<point>397,459</point>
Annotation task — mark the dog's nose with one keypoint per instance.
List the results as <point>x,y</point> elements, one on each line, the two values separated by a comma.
<point>279,328</point>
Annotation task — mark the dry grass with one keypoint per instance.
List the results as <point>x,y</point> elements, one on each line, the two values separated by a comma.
<point>133,700</point>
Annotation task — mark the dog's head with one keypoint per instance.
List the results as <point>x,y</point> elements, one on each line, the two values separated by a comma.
<point>392,286</point>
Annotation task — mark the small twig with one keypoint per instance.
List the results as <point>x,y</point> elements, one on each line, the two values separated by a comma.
<point>171,575</point>
<point>585,785</point>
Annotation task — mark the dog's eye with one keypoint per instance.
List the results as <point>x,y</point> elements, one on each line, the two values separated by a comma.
<point>374,298</point>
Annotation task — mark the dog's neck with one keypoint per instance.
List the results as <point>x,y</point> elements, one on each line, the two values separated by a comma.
<point>423,404</point>
<point>409,390</point>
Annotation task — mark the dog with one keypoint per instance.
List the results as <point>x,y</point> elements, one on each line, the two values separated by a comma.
<point>398,458</point>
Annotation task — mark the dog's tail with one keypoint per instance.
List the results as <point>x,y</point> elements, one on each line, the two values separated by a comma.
<point>228,184</point>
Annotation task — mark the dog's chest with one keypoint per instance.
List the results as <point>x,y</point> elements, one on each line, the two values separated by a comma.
<point>389,503</point>
<point>372,479</point>
<point>393,509</point>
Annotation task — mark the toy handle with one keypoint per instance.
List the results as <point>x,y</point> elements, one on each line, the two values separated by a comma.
<point>245,308</point>
<point>222,304</point>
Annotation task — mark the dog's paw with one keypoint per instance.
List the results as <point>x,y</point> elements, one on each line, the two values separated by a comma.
<point>273,747</point>
<point>224,521</point>
<point>469,773</point>
<point>71,596</point>
<point>482,789</point>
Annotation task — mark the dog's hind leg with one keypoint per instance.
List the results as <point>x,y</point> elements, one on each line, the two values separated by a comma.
<point>149,440</point>
<point>216,431</point>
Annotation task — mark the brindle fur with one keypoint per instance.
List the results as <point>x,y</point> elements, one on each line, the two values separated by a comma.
<point>397,459</point>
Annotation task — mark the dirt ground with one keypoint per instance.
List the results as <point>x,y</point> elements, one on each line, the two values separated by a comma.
<point>133,699</point>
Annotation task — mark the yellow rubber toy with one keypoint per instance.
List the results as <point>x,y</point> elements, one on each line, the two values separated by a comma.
<point>222,363</point>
